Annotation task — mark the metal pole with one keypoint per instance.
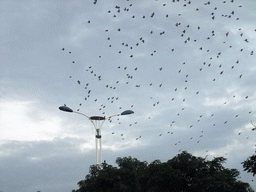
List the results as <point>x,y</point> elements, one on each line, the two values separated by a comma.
<point>97,162</point>
<point>100,151</point>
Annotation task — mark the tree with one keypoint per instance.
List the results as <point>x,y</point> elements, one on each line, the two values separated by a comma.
<point>249,164</point>
<point>101,179</point>
<point>182,173</point>
<point>133,173</point>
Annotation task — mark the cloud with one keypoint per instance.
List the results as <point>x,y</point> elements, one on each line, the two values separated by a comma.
<point>24,121</point>
<point>189,84</point>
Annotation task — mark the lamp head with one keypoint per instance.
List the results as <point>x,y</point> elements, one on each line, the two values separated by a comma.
<point>127,112</point>
<point>65,108</point>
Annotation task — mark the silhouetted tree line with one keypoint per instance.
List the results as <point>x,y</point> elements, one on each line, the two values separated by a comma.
<point>182,173</point>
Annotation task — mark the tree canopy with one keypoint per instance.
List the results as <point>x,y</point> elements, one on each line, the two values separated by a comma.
<point>182,173</point>
<point>249,164</point>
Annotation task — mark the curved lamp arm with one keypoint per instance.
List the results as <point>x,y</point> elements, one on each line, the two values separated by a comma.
<point>127,112</point>
<point>112,116</point>
<point>67,109</point>
<point>82,114</point>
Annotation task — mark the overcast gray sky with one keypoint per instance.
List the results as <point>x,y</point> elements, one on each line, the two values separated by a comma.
<point>186,68</point>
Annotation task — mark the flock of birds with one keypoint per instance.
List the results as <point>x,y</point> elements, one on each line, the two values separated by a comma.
<point>132,57</point>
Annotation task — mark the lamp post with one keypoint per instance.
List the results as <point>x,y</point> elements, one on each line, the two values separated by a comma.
<point>97,122</point>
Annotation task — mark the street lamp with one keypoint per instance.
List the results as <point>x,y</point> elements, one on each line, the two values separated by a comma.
<point>97,122</point>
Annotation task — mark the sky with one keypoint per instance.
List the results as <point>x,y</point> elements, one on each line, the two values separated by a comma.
<point>186,69</point>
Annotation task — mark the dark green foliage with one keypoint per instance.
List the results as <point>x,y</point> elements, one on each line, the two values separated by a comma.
<point>183,173</point>
<point>249,164</point>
